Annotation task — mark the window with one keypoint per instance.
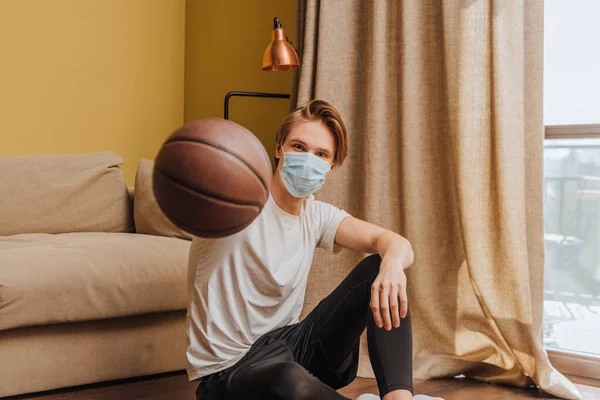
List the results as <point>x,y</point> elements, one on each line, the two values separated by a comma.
<point>572,241</point>
<point>572,183</point>
<point>571,62</point>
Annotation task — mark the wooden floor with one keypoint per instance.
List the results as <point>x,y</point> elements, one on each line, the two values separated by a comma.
<point>175,386</point>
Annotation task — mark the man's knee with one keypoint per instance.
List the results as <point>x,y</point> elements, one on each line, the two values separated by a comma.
<point>369,266</point>
<point>292,382</point>
<point>374,260</point>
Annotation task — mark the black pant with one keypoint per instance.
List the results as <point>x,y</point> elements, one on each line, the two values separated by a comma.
<point>311,359</point>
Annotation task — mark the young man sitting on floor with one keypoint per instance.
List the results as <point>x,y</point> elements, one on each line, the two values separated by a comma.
<point>247,290</point>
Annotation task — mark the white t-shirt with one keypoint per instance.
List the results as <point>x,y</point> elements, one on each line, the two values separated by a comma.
<point>246,285</point>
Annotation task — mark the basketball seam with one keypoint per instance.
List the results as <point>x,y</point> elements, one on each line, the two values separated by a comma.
<point>224,150</point>
<point>207,194</point>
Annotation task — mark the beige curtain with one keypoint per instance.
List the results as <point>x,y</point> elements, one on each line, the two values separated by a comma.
<point>443,101</point>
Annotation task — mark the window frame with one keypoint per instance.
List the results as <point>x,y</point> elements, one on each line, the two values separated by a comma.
<point>583,131</point>
<point>575,363</point>
<point>565,361</point>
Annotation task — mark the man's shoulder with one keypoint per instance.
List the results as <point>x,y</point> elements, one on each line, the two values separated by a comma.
<point>318,208</point>
<point>318,204</point>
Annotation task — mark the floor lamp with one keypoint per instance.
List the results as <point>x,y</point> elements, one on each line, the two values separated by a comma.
<point>280,55</point>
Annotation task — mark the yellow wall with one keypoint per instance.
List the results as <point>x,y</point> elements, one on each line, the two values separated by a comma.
<point>225,42</point>
<point>84,76</point>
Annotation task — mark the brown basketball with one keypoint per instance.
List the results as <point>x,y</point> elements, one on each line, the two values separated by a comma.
<point>212,177</point>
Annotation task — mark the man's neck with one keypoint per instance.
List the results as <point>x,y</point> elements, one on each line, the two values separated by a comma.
<point>283,198</point>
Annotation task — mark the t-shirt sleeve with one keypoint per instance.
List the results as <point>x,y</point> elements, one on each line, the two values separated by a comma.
<point>329,218</point>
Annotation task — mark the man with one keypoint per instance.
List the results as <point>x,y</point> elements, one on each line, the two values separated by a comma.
<point>247,290</point>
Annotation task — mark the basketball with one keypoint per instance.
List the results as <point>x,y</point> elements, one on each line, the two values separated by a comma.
<point>212,177</point>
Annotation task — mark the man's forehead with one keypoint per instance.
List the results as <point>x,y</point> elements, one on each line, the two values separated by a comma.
<point>312,131</point>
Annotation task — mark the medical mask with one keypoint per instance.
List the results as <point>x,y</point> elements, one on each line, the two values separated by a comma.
<point>303,173</point>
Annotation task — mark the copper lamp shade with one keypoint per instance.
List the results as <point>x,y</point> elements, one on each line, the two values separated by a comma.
<point>280,54</point>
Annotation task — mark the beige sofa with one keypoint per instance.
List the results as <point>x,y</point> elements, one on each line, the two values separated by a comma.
<point>92,275</point>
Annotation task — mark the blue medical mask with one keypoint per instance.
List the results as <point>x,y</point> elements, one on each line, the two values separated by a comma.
<point>303,173</point>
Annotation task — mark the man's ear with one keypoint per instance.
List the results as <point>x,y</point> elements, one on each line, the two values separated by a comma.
<point>277,150</point>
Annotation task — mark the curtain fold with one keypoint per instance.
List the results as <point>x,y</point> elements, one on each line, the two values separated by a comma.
<point>443,102</point>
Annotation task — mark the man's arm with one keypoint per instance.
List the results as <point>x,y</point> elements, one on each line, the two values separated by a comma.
<point>396,255</point>
<point>364,237</point>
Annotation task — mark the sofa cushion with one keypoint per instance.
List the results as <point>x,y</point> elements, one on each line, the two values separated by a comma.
<point>85,276</point>
<point>149,218</point>
<point>64,193</point>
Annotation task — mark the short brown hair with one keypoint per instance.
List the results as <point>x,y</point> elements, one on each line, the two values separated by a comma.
<point>317,110</point>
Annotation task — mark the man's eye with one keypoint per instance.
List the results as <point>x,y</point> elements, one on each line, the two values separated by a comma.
<point>322,155</point>
<point>297,146</point>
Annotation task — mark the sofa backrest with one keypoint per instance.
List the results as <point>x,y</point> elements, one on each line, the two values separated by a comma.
<point>64,193</point>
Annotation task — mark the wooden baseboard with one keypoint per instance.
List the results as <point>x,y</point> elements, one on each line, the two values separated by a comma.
<point>578,364</point>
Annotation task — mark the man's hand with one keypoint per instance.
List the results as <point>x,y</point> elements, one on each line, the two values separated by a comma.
<point>389,285</point>
<point>396,255</point>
